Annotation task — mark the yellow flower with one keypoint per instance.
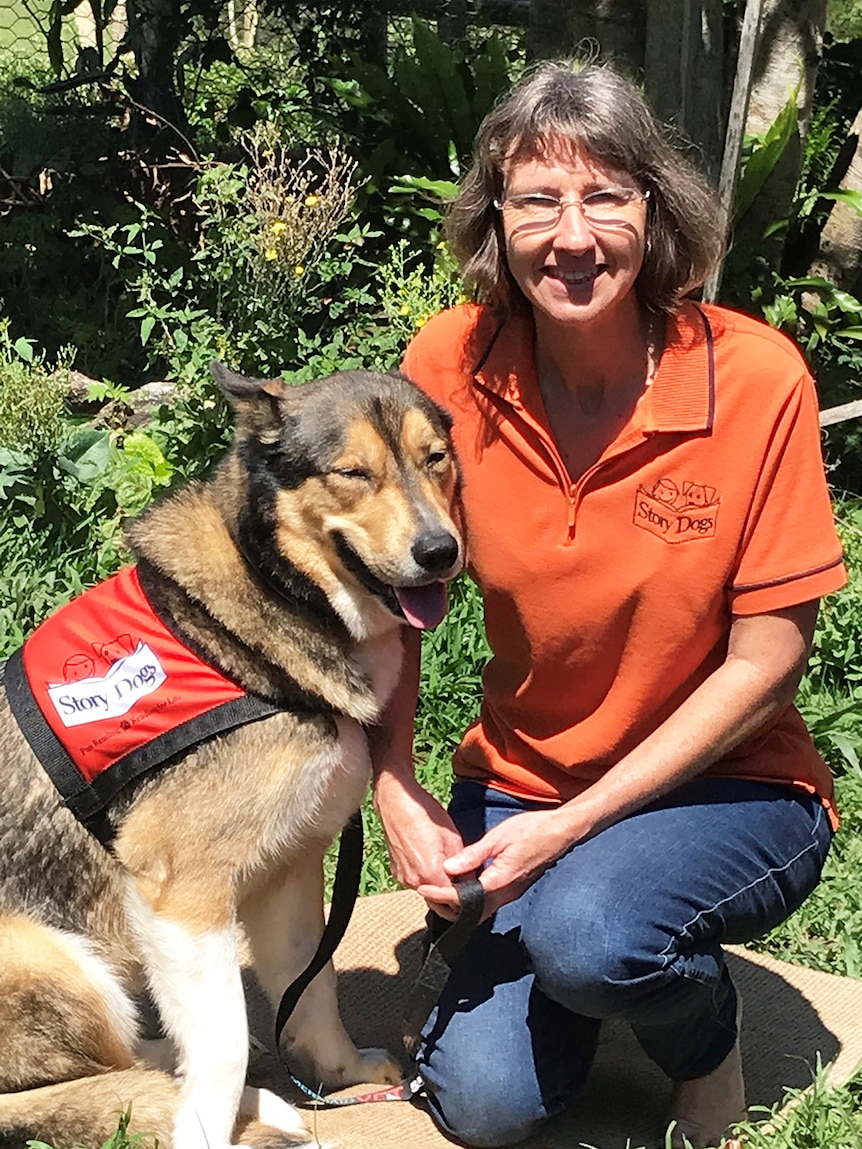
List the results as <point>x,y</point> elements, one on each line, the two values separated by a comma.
<point>270,254</point>
<point>421,321</point>
<point>312,200</point>
<point>442,245</point>
<point>299,270</point>
<point>403,309</point>
<point>278,226</point>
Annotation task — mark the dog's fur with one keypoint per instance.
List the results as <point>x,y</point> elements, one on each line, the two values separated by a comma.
<point>281,567</point>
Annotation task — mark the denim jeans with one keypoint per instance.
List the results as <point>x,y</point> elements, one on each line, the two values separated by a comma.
<point>628,924</point>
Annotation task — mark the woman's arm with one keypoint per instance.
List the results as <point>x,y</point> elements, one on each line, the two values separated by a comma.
<point>765,661</point>
<point>419,833</point>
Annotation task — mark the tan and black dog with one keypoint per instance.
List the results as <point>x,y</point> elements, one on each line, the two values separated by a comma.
<point>287,575</point>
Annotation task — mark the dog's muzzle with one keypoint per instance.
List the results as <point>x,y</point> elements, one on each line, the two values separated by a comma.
<point>423,606</point>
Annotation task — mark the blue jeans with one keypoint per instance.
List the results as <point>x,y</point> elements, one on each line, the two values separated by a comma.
<point>628,924</point>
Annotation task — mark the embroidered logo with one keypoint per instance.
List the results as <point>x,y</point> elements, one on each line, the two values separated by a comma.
<point>86,698</point>
<point>677,514</point>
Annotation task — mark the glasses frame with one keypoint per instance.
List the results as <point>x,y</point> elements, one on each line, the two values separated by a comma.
<point>562,205</point>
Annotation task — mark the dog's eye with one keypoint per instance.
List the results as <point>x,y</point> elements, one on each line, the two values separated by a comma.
<point>352,473</point>
<point>435,458</point>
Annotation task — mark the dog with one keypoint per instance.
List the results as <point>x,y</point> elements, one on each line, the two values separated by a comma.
<point>289,574</point>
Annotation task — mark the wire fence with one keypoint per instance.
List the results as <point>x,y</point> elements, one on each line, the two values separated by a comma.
<point>27,31</point>
<point>19,34</point>
<point>24,28</point>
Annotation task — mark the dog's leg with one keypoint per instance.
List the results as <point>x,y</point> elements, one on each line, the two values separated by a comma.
<point>64,1012</point>
<point>284,922</point>
<point>86,1111</point>
<point>188,940</point>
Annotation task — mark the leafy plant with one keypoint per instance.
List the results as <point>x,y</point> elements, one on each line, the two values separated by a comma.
<point>426,107</point>
<point>761,154</point>
<point>268,258</point>
<point>66,489</point>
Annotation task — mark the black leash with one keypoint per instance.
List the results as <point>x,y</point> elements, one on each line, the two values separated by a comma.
<point>345,889</point>
<point>424,992</point>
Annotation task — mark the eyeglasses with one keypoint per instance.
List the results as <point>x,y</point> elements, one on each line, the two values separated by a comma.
<point>608,207</point>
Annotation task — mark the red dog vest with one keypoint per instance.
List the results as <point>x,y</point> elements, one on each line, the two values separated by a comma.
<point>105,690</point>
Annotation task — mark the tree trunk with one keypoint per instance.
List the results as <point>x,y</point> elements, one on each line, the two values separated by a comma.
<point>154,33</point>
<point>840,256</point>
<point>609,29</point>
<point>791,46</point>
<point>684,73</point>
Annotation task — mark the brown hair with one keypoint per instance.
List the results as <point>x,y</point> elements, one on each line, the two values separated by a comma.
<point>597,110</point>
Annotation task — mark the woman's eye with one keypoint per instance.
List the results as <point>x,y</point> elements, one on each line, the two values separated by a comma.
<point>609,197</point>
<point>535,202</point>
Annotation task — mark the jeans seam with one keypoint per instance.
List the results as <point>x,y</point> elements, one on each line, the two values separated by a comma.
<point>666,956</point>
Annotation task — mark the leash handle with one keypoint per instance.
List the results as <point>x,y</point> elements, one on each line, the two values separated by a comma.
<point>442,952</point>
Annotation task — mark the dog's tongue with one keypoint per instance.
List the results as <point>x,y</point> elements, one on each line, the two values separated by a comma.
<point>424,606</point>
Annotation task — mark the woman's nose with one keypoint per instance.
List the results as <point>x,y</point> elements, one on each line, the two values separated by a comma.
<point>572,229</point>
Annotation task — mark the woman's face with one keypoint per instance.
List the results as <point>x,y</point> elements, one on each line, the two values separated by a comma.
<point>573,271</point>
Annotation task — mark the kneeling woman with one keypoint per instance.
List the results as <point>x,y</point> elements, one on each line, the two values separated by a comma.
<point>647,517</point>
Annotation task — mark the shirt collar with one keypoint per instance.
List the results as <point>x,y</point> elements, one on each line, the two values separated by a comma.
<point>682,394</point>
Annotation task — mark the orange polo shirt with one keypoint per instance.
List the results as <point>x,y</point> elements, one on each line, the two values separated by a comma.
<point>609,600</point>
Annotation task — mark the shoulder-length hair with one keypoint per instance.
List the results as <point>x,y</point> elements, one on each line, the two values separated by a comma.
<point>596,110</point>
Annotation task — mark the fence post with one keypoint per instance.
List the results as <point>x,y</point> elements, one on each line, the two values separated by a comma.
<point>736,126</point>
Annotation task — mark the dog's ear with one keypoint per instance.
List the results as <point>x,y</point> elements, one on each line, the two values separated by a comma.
<point>240,387</point>
<point>261,405</point>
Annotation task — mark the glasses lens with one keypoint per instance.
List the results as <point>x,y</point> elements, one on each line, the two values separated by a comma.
<point>610,205</point>
<point>533,209</point>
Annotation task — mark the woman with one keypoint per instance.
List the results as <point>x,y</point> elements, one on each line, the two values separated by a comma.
<point>646,515</point>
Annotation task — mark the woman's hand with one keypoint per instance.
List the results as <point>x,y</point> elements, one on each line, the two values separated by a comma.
<point>420,836</point>
<point>509,858</point>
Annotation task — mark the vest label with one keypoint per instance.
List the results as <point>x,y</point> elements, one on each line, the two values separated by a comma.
<point>114,694</point>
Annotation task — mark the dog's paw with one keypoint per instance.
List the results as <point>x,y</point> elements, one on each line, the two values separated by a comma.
<point>380,1067</point>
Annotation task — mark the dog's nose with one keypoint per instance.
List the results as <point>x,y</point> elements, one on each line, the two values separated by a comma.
<point>435,551</point>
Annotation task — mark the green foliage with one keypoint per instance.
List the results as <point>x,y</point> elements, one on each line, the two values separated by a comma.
<point>826,933</point>
<point>819,1117</point>
<point>427,105</point>
<point>844,19</point>
<point>31,398</point>
<point>824,320</point>
<point>413,122</point>
<point>762,154</point>
<point>65,489</point>
<point>272,270</point>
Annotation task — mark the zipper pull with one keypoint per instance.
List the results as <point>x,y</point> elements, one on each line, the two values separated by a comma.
<point>571,515</point>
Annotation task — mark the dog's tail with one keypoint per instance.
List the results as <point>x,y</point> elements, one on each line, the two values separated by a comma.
<point>88,1111</point>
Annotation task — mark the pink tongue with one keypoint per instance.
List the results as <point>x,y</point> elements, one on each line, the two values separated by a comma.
<point>424,606</point>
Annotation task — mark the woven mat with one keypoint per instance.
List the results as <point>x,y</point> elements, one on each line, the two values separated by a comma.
<point>792,1015</point>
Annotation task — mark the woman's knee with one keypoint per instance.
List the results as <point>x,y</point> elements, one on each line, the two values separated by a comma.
<point>485,1109</point>
<point>591,955</point>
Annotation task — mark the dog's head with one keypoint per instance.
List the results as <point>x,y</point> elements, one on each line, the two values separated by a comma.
<point>350,485</point>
